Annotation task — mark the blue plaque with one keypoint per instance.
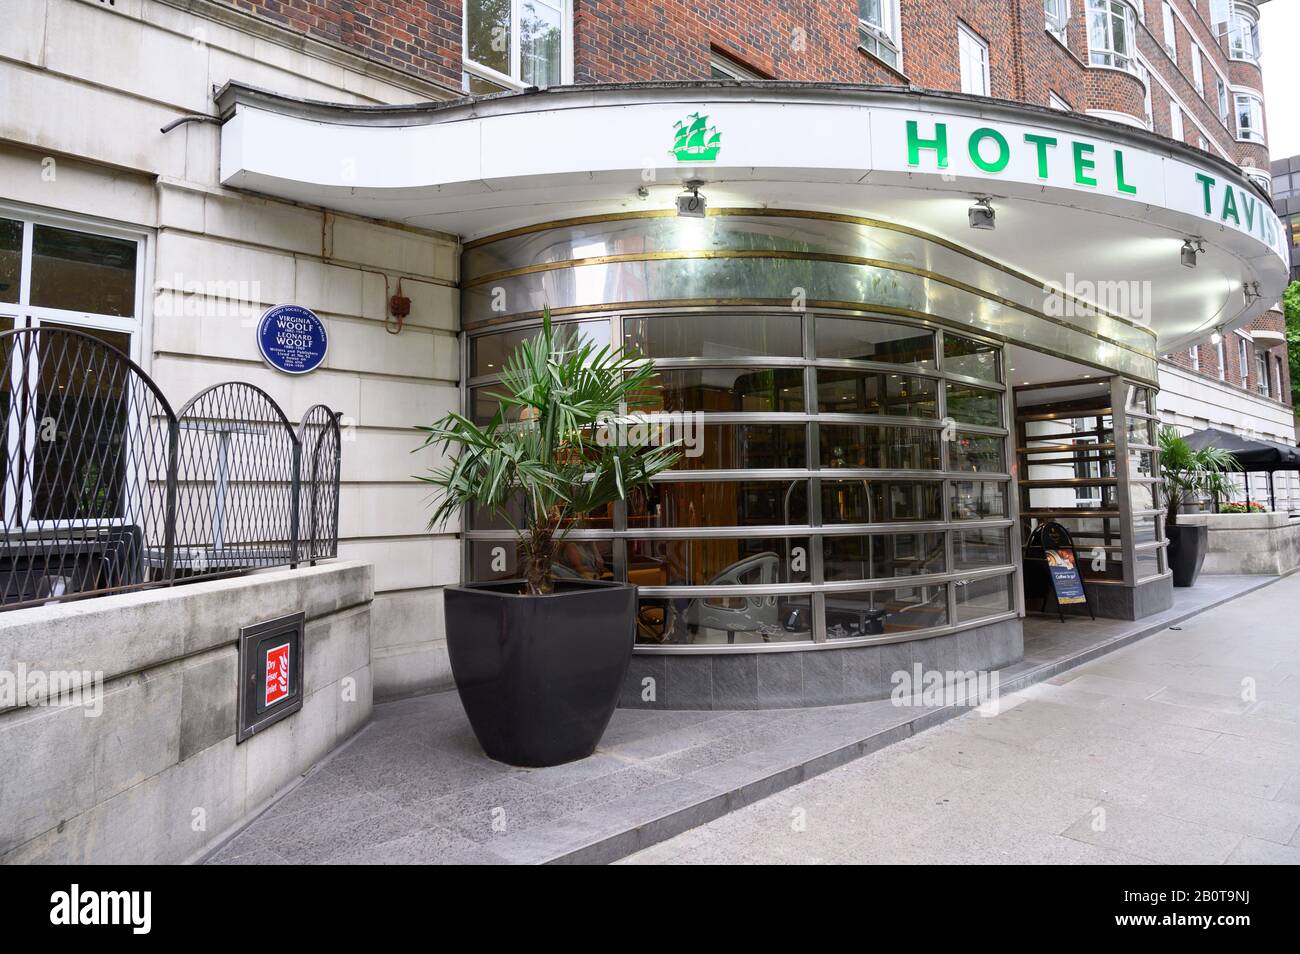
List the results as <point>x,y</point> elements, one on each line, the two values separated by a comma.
<point>292,339</point>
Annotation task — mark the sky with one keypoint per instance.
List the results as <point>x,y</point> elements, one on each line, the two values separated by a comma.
<point>1279,36</point>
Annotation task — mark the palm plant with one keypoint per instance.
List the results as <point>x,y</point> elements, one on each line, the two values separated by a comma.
<point>548,450</point>
<point>1189,473</point>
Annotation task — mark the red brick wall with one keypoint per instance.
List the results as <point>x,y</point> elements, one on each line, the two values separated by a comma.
<point>1207,355</point>
<point>421,37</point>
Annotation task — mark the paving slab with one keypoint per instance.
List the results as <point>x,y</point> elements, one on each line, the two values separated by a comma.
<point>413,786</point>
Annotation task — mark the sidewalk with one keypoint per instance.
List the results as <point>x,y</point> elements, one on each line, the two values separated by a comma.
<point>414,786</point>
<point>1158,752</point>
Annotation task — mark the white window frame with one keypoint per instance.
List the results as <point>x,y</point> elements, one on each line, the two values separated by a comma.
<point>1104,52</point>
<point>1263,374</point>
<point>1056,102</point>
<point>17,502</point>
<point>1176,129</point>
<point>1170,30</point>
<point>883,40</point>
<point>1248,133</point>
<point>1195,354</point>
<point>735,70</point>
<point>1056,19</point>
<point>970,43</point>
<point>1243,35</point>
<point>1225,100</point>
<point>515,79</point>
<point>1243,358</point>
<point>1198,69</point>
<point>1220,353</point>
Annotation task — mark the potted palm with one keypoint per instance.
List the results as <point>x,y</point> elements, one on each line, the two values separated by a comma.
<point>1189,474</point>
<point>539,660</point>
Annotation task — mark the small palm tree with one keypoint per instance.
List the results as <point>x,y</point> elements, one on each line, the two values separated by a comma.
<point>1189,473</point>
<point>549,446</point>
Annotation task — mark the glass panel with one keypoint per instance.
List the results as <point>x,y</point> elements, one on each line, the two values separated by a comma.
<point>481,518</point>
<point>845,391</point>
<point>746,447</point>
<point>971,358</point>
<point>1142,463</point>
<point>539,43</point>
<point>1145,529</point>
<point>1141,431</point>
<point>77,271</point>
<point>78,473</point>
<point>1142,496</point>
<point>731,390</point>
<point>865,340</point>
<point>576,559</point>
<point>879,446</point>
<point>722,620</point>
<point>978,499</point>
<point>727,503</point>
<point>477,86</point>
<point>487,33</point>
<point>1146,563</point>
<point>980,547</point>
<point>488,353</point>
<point>881,612</point>
<point>880,556</point>
<point>1097,540</point>
<point>1138,399</point>
<point>11,258</point>
<point>483,404</point>
<point>718,562</point>
<point>977,599</point>
<point>880,501</point>
<point>715,336</point>
<point>977,452</point>
<point>971,405</point>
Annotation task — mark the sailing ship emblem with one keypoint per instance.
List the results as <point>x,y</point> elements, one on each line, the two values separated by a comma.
<point>694,140</point>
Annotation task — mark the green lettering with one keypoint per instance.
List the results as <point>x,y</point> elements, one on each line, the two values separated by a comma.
<point>1207,183</point>
<point>1229,206</point>
<point>1249,205</point>
<point>1082,164</point>
<point>1004,149</point>
<point>1041,144</point>
<point>1119,175</point>
<point>939,144</point>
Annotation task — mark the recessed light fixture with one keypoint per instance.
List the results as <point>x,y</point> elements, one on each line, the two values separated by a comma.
<point>1217,337</point>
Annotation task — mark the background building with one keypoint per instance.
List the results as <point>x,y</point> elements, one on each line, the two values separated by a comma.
<point>87,146</point>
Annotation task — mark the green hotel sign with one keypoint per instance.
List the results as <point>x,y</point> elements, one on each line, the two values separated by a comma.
<point>1069,161</point>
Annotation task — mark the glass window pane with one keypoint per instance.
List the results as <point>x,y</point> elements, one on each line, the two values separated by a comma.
<point>77,271</point>
<point>715,336</point>
<point>972,358</point>
<point>487,33</point>
<point>1141,431</point>
<point>977,599</point>
<point>539,43</point>
<point>576,559</point>
<point>11,257</point>
<point>725,503</point>
<point>478,86</point>
<point>848,391</point>
<point>746,447</point>
<point>865,340</point>
<point>488,353</point>
<point>483,405</point>
<point>980,547</point>
<point>978,499</point>
<point>879,446</point>
<point>724,620</point>
<point>881,556</point>
<point>1146,563</point>
<point>861,613</point>
<point>880,501</point>
<point>718,562</point>
<point>730,390</point>
<point>80,472</point>
<point>978,452</point>
<point>481,518</point>
<point>971,405</point>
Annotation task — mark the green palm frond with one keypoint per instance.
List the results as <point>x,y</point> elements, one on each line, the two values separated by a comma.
<point>1188,473</point>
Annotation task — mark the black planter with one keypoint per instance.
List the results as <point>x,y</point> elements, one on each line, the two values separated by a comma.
<point>1187,545</point>
<point>539,676</point>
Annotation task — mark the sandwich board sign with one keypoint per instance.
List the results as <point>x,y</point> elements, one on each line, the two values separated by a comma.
<point>1052,544</point>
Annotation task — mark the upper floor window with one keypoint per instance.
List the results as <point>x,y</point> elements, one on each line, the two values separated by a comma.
<point>1056,14</point>
<point>1056,102</point>
<point>722,66</point>
<point>1224,106</point>
<point>1250,117</point>
<point>878,31</point>
<point>1171,33</point>
<point>1112,34</point>
<point>974,55</point>
<point>1243,360</point>
<point>1262,373</point>
<point>1198,71</point>
<point>510,44</point>
<point>1221,359</point>
<point>1175,122</point>
<point>1194,354</point>
<point>1243,35</point>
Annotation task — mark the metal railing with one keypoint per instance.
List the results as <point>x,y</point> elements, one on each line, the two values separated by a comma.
<point>104,488</point>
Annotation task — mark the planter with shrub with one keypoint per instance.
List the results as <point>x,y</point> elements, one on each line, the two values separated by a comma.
<point>1189,474</point>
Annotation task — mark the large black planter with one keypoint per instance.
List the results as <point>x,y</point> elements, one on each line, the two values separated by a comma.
<point>1187,545</point>
<point>539,676</point>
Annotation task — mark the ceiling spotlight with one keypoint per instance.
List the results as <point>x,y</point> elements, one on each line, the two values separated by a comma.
<point>1191,248</point>
<point>692,205</point>
<point>982,215</point>
<point>1217,337</point>
<point>1250,290</point>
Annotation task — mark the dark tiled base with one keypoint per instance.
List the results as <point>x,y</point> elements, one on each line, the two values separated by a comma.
<point>810,677</point>
<point>1129,602</point>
